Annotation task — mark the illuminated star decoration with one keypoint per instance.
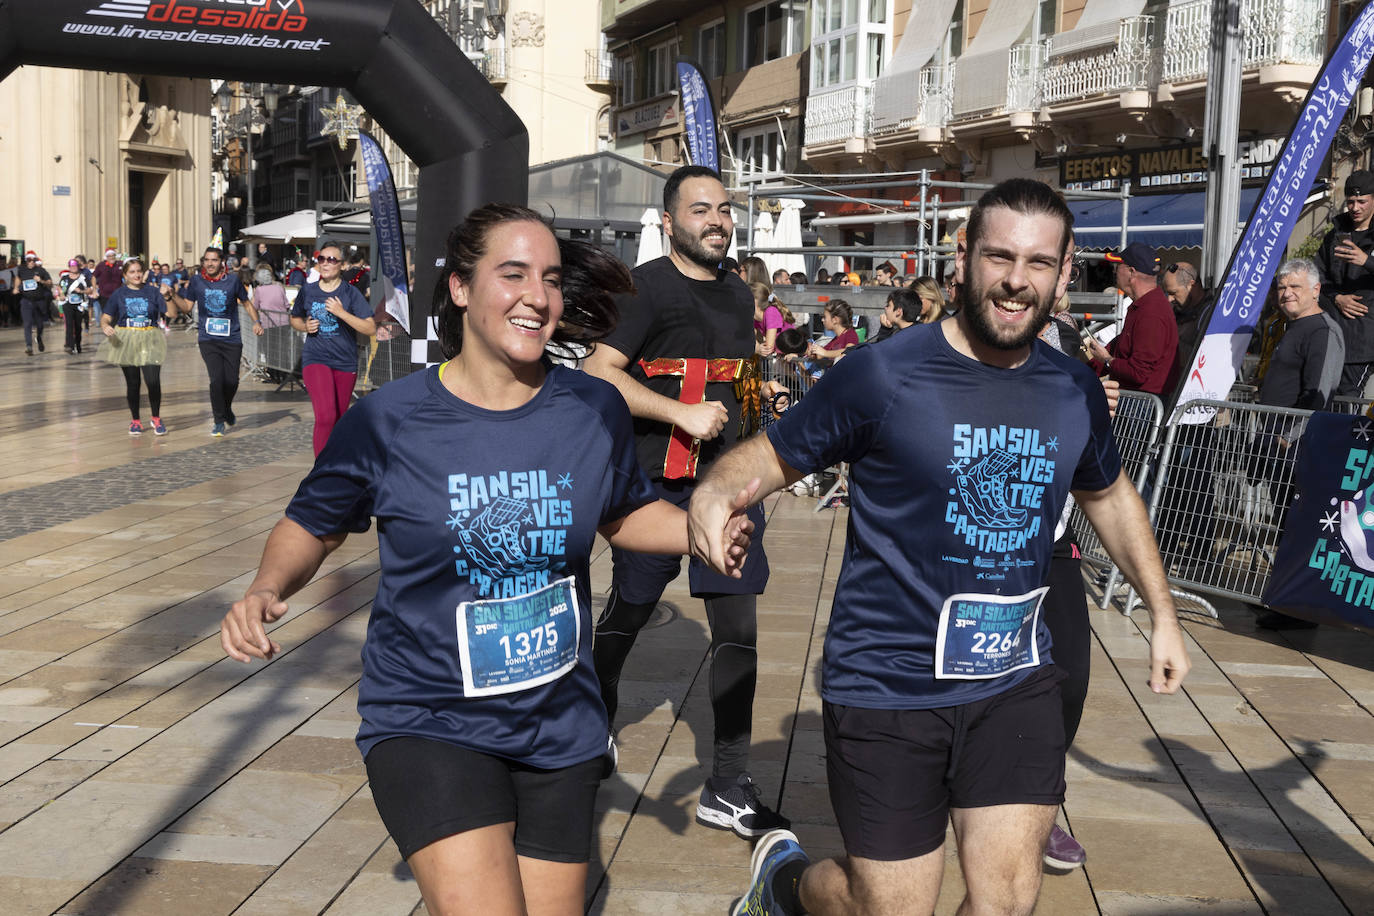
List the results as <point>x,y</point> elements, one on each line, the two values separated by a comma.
<point>1053,444</point>
<point>341,121</point>
<point>1330,521</point>
<point>1362,430</point>
<point>565,481</point>
<point>956,465</point>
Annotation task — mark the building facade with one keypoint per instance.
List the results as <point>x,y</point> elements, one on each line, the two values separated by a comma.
<point>1069,91</point>
<point>754,57</point>
<point>90,160</point>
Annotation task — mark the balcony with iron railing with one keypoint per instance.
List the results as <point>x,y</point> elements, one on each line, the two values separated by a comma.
<point>491,63</point>
<point>1276,32</point>
<point>600,69</point>
<point>924,104</point>
<point>838,115</point>
<point>1024,69</point>
<point>1074,72</point>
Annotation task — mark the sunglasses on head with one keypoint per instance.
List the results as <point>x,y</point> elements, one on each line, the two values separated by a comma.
<point>327,259</point>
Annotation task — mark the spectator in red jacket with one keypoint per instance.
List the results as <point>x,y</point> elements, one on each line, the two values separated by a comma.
<point>1142,356</point>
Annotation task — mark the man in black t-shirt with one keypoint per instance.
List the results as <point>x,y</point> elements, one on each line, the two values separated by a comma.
<point>1347,279</point>
<point>1303,373</point>
<point>685,337</point>
<point>35,300</point>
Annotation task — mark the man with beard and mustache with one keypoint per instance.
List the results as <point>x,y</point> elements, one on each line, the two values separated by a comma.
<point>940,695</point>
<point>685,337</point>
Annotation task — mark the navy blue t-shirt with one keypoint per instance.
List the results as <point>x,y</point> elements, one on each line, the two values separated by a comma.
<point>136,308</point>
<point>958,472</point>
<point>486,522</point>
<point>217,306</point>
<point>335,344</point>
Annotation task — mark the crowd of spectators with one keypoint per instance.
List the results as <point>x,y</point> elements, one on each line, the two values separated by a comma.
<point>33,297</point>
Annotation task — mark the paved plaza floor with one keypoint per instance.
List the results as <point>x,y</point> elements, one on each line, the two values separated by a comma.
<point>141,772</point>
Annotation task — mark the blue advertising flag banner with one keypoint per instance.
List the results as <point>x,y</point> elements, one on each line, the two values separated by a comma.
<point>1242,293</point>
<point>386,222</point>
<point>698,115</point>
<point>1324,568</point>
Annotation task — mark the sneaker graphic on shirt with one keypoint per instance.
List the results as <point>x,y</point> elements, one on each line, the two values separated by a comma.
<point>983,489</point>
<point>492,539</point>
<point>738,807</point>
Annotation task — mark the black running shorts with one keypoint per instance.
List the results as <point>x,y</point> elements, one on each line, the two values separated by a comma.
<point>426,790</point>
<point>895,773</point>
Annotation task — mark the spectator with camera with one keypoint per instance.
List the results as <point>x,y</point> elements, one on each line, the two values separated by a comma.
<point>1347,280</point>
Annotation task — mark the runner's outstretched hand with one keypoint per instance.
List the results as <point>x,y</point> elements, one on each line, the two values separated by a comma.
<point>243,633</point>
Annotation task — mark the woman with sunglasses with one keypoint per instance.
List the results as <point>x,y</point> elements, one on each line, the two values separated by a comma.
<point>332,314</point>
<point>490,477</point>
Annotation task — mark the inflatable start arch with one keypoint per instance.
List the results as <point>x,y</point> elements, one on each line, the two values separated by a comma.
<point>469,146</point>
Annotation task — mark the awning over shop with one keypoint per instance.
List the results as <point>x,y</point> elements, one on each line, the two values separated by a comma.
<point>1161,220</point>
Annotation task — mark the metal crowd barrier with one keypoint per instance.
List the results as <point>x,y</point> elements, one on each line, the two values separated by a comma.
<point>1220,497</point>
<point>1136,428</point>
<point>276,355</point>
<point>791,376</point>
<point>1353,406</point>
<point>383,358</point>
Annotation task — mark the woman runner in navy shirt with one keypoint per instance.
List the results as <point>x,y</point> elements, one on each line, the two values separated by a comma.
<point>490,477</point>
<point>332,314</point>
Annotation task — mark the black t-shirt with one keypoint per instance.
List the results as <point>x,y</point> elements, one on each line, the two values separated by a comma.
<point>1306,365</point>
<point>33,275</point>
<point>671,316</point>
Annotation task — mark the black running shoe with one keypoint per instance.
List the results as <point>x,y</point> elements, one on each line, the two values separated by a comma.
<point>610,758</point>
<point>738,807</point>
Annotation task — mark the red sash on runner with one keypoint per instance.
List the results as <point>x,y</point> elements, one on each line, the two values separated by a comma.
<point>683,450</point>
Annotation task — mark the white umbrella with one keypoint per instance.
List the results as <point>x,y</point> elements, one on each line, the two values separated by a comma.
<point>788,235</point>
<point>650,237</point>
<point>763,235</point>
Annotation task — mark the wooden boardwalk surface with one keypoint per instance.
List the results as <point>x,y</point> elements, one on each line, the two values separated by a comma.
<point>143,773</point>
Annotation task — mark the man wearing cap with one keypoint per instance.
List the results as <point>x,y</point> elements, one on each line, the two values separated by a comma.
<point>1142,356</point>
<point>35,298</point>
<point>108,278</point>
<point>1347,280</point>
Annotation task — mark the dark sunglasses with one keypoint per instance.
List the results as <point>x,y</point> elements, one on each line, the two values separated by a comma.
<point>327,259</point>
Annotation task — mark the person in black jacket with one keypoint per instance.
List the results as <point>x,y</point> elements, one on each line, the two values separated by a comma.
<point>35,300</point>
<point>1347,279</point>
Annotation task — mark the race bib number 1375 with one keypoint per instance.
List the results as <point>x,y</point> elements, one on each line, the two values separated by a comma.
<point>511,644</point>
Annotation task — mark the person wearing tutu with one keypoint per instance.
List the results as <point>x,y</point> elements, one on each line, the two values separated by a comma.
<point>134,324</point>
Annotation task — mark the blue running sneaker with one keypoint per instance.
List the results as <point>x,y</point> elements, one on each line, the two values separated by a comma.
<point>217,430</point>
<point>776,853</point>
<point>158,428</point>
